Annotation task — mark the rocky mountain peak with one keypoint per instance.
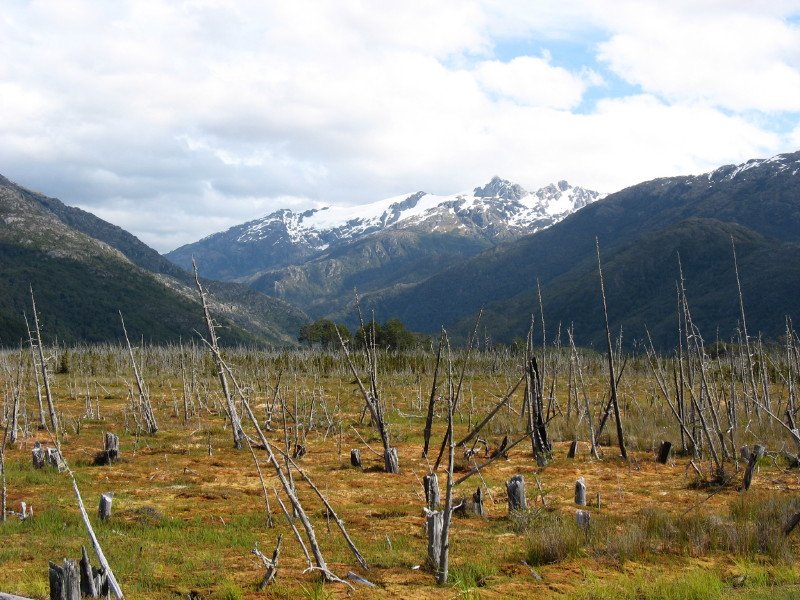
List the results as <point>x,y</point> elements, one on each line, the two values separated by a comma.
<point>500,188</point>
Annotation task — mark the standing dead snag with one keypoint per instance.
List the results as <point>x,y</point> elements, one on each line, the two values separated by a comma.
<point>373,402</point>
<point>432,399</point>
<point>515,487</point>
<point>43,365</point>
<point>611,377</point>
<point>144,406</point>
<point>213,342</point>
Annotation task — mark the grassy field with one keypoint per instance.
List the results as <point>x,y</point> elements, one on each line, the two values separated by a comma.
<point>188,508</point>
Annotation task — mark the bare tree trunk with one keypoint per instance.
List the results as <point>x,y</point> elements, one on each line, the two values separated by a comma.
<point>144,396</point>
<point>50,405</point>
<point>236,424</point>
<point>611,377</point>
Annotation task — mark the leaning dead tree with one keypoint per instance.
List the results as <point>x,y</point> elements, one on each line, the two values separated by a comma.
<point>145,406</point>
<point>288,488</point>
<point>32,345</point>
<point>43,365</point>
<point>372,398</point>
<point>213,344</point>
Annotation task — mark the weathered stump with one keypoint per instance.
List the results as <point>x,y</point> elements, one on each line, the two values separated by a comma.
<point>110,452</point>
<point>580,492</point>
<point>355,457</point>
<point>744,452</point>
<point>582,518</point>
<point>390,461</point>
<point>88,587</point>
<point>431,485</point>
<point>65,581</point>
<point>573,449</point>
<point>55,459</point>
<point>758,452</point>
<point>38,456</point>
<point>104,509</point>
<point>434,520</point>
<point>515,488</point>
<point>477,503</point>
<point>663,452</point>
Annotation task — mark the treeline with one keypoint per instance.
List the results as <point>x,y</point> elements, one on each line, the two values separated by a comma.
<point>390,335</point>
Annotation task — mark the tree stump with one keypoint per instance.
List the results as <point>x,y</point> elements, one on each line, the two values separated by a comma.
<point>104,509</point>
<point>390,461</point>
<point>582,518</point>
<point>477,503</point>
<point>355,457</point>
<point>434,520</point>
<point>744,452</point>
<point>516,493</point>
<point>88,587</point>
<point>663,452</point>
<point>38,456</point>
<point>573,449</point>
<point>580,492</point>
<point>65,581</point>
<point>110,452</point>
<point>758,452</point>
<point>55,459</point>
<point>431,485</point>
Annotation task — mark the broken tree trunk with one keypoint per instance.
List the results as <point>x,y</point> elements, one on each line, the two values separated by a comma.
<point>477,503</point>
<point>50,406</point>
<point>104,509</point>
<point>663,452</point>
<point>431,484</point>
<point>65,581</point>
<point>758,452</point>
<point>110,452</point>
<point>515,487</point>
<point>355,457</point>
<point>38,456</point>
<point>433,524</point>
<point>580,492</point>
<point>271,564</point>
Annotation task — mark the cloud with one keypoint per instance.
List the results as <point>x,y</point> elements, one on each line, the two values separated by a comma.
<point>175,120</point>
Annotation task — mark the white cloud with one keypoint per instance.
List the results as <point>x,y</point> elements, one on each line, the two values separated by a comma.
<point>533,81</point>
<point>177,119</point>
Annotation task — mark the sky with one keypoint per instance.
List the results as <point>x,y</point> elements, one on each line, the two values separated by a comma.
<point>175,119</point>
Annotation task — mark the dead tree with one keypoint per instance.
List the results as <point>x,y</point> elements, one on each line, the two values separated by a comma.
<point>65,581</point>
<point>32,345</point>
<point>432,399</point>
<point>42,363</point>
<point>580,492</point>
<point>104,508</point>
<point>611,378</point>
<point>144,396</point>
<point>515,487</point>
<point>373,402</point>
<point>431,484</point>
<point>271,564</point>
<point>213,343</point>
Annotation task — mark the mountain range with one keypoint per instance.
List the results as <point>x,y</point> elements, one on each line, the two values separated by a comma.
<point>642,232</point>
<point>314,259</point>
<point>430,261</point>
<point>84,270</point>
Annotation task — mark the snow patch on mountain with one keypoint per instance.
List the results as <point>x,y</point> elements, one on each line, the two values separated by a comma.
<point>498,208</point>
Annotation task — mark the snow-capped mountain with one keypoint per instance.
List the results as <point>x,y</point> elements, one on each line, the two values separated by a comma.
<point>498,211</point>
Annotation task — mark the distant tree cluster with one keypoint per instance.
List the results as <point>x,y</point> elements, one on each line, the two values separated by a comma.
<point>391,335</point>
<point>322,332</point>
